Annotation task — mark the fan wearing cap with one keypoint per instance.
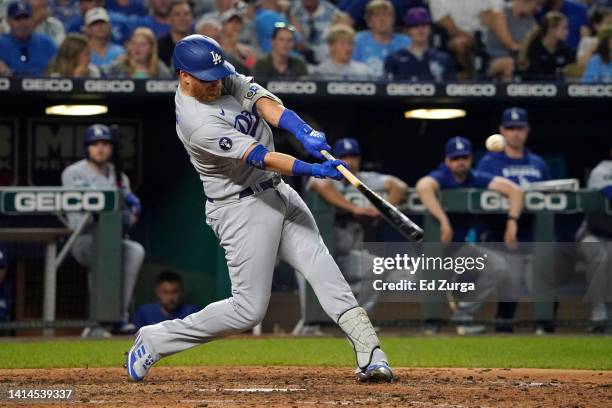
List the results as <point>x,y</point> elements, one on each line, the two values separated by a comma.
<point>98,30</point>
<point>355,216</point>
<point>22,51</point>
<point>181,25</point>
<point>232,23</point>
<point>419,61</point>
<point>456,172</point>
<point>120,30</point>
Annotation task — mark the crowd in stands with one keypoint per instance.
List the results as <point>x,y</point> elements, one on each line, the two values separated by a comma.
<point>413,40</point>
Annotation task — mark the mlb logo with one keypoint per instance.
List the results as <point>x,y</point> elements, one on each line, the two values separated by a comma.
<point>225,143</point>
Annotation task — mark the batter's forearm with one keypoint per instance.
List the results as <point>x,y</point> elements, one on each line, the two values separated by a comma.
<point>280,163</point>
<point>270,110</point>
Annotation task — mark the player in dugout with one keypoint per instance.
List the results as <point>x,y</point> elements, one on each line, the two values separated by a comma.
<point>354,217</point>
<point>517,163</point>
<point>456,172</point>
<point>96,171</point>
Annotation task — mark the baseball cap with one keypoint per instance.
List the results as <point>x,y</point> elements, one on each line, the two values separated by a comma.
<point>229,14</point>
<point>416,16</point>
<point>346,147</point>
<point>96,14</point>
<point>19,9</point>
<point>458,146</point>
<point>514,117</point>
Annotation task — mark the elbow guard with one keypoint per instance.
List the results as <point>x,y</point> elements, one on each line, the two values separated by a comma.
<point>256,157</point>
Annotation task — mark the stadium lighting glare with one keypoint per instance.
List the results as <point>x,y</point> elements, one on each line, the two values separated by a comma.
<point>76,110</point>
<point>435,114</point>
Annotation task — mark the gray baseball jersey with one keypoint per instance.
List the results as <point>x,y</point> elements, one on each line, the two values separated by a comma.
<point>216,136</point>
<point>253,230</point>
<point>600,178</point>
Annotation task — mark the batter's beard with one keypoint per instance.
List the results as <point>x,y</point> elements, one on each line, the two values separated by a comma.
<point>208,95</point>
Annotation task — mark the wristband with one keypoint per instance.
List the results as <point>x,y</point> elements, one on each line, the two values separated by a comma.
<point>256,157</point>
<point>301,168</point>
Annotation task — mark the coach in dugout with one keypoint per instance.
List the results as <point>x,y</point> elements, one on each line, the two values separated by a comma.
<point>595,237</point>
<point>519,164</point>
<point>456,172</point>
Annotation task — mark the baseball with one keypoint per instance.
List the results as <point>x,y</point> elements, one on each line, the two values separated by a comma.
<point>495,143</point>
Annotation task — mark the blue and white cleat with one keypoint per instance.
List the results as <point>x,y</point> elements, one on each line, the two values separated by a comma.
<point>377,372</point>
<point>138,360</point>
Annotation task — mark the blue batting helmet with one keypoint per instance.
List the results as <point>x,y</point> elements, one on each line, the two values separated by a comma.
<point>201,57</point>
<point>95,133</point>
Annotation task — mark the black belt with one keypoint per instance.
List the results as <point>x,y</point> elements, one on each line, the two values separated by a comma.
<point>249,191</point>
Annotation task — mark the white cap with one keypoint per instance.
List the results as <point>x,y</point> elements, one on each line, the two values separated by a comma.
<point>96,14</point>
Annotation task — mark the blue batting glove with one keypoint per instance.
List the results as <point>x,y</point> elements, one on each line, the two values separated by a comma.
<point>313,141</point>
<point>328,169</point>
<point>133,202</point>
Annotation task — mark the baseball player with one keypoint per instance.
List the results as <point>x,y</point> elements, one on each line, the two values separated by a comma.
<point>519,164</point>
<point>353,211</point>
<point>223,119</point>
<point>96,171</point>
<point>457,172</point>
<point>595,237</point>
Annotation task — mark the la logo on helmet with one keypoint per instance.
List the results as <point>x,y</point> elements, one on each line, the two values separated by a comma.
<point>216,58</point>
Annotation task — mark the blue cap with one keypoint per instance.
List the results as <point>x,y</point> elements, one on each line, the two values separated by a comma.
<point>458,146</point>
<point>19,9</point>
<point>416,16</point>
<point>346,147</point>
<point>514,117</point>
<point>97,132</point>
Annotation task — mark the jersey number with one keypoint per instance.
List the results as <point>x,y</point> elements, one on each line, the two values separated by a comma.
<point>246,123</point>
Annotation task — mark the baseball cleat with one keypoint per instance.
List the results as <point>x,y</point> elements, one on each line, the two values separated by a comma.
<point>378,372</point>
<point>138,361</point>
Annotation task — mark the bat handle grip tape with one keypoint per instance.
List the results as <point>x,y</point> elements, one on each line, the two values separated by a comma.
<point>345,172</point>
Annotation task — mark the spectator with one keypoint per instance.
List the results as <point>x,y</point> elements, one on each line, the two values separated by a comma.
<point>157,20</point>
<point>98,30</point>
<point>64,10</point>
<point>119,28</point>
<point>545,53</point>
<point>5,292</point>
<point>231,28</point>
<point>502,46</point>
<point>315,18</point>
<point>23,52</point>
<point>576,14</point>
<point>354,214</point>
<point>419,61</point>
<point>356,9</point>
<point>45,23</point>
<point>96,171</point>
<point>181,25</point>
<point>520,165</point>
<point>168,291</point>
<point>464,21</point>
<point>595,237</point>
<point>374,45</point>
<point>341,41</point>
<point>456,172</point>
<point>598,18</point>
<point>73,59</point>
<point>266,17</point>
<point>140,60</point>
<point>599,67</point>
<point>280,62</point>
<point>126,7</point>
<point>212,29</point>
<point>221,6</point>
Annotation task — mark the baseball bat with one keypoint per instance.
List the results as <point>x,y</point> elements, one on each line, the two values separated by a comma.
<point>395,217</point>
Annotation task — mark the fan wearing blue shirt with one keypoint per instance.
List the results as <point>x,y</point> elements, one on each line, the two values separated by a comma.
<point>374,45</point>
<point>456,172</point>
<point>168,290</point>
<point>22,51</point>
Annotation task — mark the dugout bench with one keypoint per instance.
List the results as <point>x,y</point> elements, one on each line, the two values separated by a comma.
<point>103,205</point>
<point>544,205</point>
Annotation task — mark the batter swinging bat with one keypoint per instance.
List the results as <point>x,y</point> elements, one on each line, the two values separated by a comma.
<point>395,217</point>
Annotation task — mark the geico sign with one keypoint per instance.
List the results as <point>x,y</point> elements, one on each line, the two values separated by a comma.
<point>302,88</point>
<point>5,84</point>
<point>534,201</point>
<point>62,201</point>
<point>414,204</point>
<point>599,90</point>
<point>161,86</point>
<point>348,88</point>
<point>544,90</point>
<point>113,86</point>
<point>53,85</point>
<point>471,90</point>
<point>411,89</point>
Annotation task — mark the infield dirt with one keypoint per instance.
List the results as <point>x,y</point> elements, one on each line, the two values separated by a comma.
<point>315,386</point>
